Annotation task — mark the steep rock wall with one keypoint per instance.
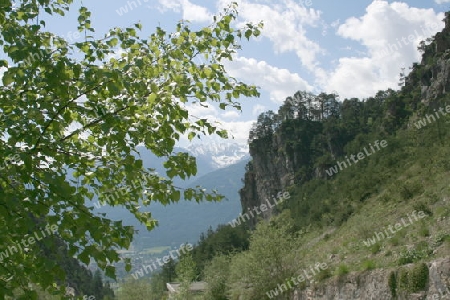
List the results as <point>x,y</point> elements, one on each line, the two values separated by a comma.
<point>270,172</point>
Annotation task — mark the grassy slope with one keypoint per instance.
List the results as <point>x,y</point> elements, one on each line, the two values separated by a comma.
<point>413,174</point>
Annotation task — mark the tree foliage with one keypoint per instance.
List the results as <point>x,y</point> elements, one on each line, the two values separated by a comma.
<point>224,240</point>
<point>186,274</point>
<point>74,117</point>
<point>216,275</point>
<point>270,260</point>
<point>136,290</point>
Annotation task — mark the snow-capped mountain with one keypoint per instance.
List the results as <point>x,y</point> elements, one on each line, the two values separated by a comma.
<point>219,155</point>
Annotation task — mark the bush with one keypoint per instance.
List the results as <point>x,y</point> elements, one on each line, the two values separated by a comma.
<point>385,198</point>
<point>422,207</point>
<point>439,238</point>
<point>412,281</point>
<point>342,270</point>
<point>403,279</point>
<point>424,231</point>
<point>406,193</point>
<point>413,255</point>
<point>394,241</point>
<point>408,190</point>
<point>418,280</point>
<point>368,265</point>
<point>375,248</point>
<point>392,283</point>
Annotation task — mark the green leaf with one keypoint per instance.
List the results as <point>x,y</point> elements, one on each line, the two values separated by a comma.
<point>8,78</point>
<point>151,99</point>
<point>248,34</point>
<point>191,135</point>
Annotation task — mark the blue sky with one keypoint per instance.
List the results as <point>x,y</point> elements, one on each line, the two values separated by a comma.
<point>353,47</point>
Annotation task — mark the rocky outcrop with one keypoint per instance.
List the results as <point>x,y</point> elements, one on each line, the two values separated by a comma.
<point>436,79</point>
<point>375,285</point>
<point>269,172</point>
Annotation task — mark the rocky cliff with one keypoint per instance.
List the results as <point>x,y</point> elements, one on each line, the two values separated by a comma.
<point>435,80</point>
<point>277,163</point>
<point>376,285</point>
<point>269,172</point>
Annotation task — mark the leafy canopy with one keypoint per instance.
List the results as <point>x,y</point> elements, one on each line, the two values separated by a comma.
<point>72,116</point>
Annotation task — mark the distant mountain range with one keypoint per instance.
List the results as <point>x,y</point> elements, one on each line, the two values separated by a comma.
<point>186,220</point>
<point>221,167</point>
<point>219,155</point>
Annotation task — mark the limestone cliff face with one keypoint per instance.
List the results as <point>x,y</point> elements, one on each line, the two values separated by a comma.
<point>435,78</point>
<point>437,82</point>
<point>269,172</point>
<point>374,285</point>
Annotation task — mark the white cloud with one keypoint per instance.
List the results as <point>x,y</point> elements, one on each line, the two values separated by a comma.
<point>285,23</point>
<point>442,1</point>
<point>238,130</point>
<point>201,110</point>
<point>391,34</point>
<point>231,114</point>
<point>190,11</point>
<point>280,83</point>
<point>195,12</point>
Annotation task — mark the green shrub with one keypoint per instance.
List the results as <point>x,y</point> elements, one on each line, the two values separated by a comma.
<point>439,238</point>
<point>409,190</point>
<point>392,283</point>
<point>412,281</point>
<point>418,279</point>
<point>420,206</point>
<point>403,279</point>
<point>375,248</point>
<point>394,241</point>
<point>412,255</point>
<point>424,231</point>
<point>368,265</point>
<point>406,193</point>
<point>423,247</point>
<point>385,198</point>
<point>342,270</point>
<point>433,198</point>
<point>406,257</point>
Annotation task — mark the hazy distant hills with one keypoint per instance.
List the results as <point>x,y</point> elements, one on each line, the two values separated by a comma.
<point>184,221</point>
